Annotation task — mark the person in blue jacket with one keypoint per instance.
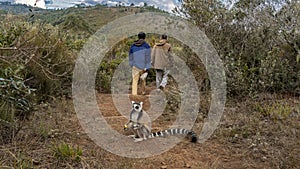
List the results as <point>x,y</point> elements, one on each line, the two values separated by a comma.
<point>140,61</point>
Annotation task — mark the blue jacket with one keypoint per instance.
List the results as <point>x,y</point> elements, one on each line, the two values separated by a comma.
<point>140,55</point>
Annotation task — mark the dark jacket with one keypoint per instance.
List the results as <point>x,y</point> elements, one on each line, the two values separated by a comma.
<point>140,55</point>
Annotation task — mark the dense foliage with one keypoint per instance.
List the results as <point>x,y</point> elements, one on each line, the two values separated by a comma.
<point>38,49</point>
<point>36,65</point>
<point>259,41</point>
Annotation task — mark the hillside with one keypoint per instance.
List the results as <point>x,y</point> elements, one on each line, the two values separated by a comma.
<point>40,127</point>
<point>16,8</point>
<point>79,19</point>
<point>92,17</point>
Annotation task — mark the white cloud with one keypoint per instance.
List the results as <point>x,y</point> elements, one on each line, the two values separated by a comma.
<point>166,5</point>
<point>38,3</point>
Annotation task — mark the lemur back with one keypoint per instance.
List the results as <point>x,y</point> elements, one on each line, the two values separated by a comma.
<point>141,132</point>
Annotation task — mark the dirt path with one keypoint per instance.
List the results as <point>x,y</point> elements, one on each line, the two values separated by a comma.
<point>247,137</point>
<point>211,154</point>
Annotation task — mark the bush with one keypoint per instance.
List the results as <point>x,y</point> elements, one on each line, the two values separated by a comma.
<point>36,65</point>
<point>16,101</point>
<point>43,53</point>
<point>258,42</point>
<point>105,74</point>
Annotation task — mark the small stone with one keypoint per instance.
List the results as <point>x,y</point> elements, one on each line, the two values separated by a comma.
<point>188,166</point>
<point>35,162</point>
<point>163,167</point>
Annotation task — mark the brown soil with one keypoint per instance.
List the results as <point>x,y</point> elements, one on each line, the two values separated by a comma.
<point>249,136</point>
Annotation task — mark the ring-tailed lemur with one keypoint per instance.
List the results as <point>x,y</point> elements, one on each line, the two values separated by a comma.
<point>136,115</point>
<point>142,132</point>
<point>136,112</point>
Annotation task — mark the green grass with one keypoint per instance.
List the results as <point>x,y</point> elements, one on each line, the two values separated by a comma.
<point>275,111</point>
<point>64,151</point>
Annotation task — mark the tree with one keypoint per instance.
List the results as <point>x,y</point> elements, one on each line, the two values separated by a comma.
<point>257,40</point>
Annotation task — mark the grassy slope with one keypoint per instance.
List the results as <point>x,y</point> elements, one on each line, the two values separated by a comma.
<point>253,133</point>
<point>17,8</point>
<point>95,16</point>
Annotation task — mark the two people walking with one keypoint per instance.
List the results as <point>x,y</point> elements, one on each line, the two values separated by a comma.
<point>141,59</point>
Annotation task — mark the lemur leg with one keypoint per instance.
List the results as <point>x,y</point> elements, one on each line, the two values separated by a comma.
<point>140,134</point>
<point>145,136</point>
<point>138,139</point>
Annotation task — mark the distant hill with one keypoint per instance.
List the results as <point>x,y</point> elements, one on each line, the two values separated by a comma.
<point>76,22</point>
<point>7,7</point>
<point>86,20</point>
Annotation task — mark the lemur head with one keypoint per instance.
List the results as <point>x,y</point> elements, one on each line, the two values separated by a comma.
<point>137,106</point>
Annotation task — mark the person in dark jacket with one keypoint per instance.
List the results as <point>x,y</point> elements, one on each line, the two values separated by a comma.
<point>140,61</point>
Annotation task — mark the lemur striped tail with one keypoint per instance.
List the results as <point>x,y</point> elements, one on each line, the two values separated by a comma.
<point>190,134</point>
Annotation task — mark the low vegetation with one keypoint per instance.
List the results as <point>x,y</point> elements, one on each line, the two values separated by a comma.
<point>258,43</point>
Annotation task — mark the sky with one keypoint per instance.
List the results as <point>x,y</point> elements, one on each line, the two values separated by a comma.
<point>40,4</point>
<point>167,5</point>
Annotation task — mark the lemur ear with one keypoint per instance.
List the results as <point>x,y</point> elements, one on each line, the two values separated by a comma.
<point>132,102</point>
<point>141,103</point>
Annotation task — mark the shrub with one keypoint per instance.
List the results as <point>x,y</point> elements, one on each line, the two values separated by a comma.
<point>16,101</point>
<point>33,57</point>
<point>64,151</point>
<point>105,74</point>
<point>44,55</point>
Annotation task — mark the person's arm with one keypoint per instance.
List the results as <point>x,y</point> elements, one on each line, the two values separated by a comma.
<point>171,58</point>
<point>148,57</point>
<point>130,57</point>
<point>153,56</point>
